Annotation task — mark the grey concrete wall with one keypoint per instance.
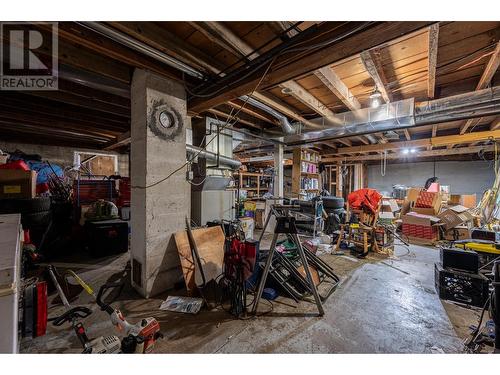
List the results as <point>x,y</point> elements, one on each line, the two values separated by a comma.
<point>463,177</point>
<point>62,156</point>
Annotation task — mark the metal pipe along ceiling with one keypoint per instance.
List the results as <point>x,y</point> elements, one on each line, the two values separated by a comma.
<point>285,124</point>
<point>141,47</point>
<point>224,160</point>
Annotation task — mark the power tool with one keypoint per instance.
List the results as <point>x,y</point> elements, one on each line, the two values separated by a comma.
<point>139,337</point>
<point>100,345</point>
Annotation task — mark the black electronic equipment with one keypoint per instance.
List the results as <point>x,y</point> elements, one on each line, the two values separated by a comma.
<point>460,259</point>
<point>485,234</point>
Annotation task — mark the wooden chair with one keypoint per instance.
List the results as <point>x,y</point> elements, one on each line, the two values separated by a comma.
<point>361,234</point>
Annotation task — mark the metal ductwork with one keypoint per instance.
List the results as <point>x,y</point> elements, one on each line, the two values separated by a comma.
<point>223,160</point>
<point>285,124</point>
<point>371,138</point>
<point>405,114</point>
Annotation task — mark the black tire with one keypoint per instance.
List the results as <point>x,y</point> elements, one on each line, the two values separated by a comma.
<point>36,219</point>
<point>333,202</point>
<point>24,206</point>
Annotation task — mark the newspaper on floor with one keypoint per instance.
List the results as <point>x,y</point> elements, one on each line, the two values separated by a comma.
<point>187,305</point>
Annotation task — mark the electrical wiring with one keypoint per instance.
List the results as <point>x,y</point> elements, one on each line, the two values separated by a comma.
<point>283,51</point>
<point>222,127</point>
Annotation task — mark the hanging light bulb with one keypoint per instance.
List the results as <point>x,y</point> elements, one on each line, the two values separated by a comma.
<point>375,98</point>
<point>406,151</point>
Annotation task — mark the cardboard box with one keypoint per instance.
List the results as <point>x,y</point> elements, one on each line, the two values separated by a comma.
<point>421,229</point>
<point>461,232</point>
<point>16,183</point>
<point>466,200</point>
<point>389,205</point>
<point>427,199</point>
<point>454,216</point>
<point>412,194</point>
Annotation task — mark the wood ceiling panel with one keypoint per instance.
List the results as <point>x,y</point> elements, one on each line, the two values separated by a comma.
<point>450,52</point>
<point>451,32</point>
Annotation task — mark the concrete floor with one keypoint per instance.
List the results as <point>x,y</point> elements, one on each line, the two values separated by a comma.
<point>383,305</point>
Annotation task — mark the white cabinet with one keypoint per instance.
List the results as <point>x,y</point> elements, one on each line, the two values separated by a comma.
<point>10,283</point>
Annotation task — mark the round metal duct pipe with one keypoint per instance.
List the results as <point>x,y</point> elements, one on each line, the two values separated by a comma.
<point>224,160</point>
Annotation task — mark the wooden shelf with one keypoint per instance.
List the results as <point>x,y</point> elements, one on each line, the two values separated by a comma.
<point>310,174</point>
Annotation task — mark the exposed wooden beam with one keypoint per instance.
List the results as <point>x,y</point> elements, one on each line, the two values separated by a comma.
<point>238,119</point>
<point>283,108</point>
<point>495,124</point>
<point>222,35</point>
<point>78,46</point>
<point>490,69</point>
<point>371,61</point>
<point>434,130</point>
<point>344,141</point>
<point>417,154</point>
<point>281,26</point>
<point>432,59</point>
<point>470,123</point>
<point>252,113</point>
<point>435,142</point>
<point>290,67</point>
<point>484,82</point>
<point>163,40</point>
<point>305,97</point>
<point>363,140</point>
<point>331,80</point>
<point>407,134</point>
<point>121,140</point>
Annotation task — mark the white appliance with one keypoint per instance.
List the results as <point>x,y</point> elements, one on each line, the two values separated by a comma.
<point>10,283</point>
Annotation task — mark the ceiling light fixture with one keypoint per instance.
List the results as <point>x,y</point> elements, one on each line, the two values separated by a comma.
<point>406,151</point>
<point>412,150</point>
<point>375,98</point>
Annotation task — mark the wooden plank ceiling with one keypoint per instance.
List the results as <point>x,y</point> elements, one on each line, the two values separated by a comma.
<point>329,67</point>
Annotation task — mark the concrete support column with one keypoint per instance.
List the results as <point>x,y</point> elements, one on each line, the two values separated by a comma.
<point>278,171</point>
<point>158,209</point>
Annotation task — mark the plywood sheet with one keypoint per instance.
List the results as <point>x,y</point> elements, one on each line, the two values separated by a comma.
<point>210,244</point>
<point>186,258</point>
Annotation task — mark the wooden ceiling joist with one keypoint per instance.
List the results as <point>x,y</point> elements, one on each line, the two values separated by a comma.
<point>484,82</point>
<point>304,96</point>
<point>407,134</point>
<point>291,67</point>
<point>331,80</point>
<point>417,154</point>
<point>432,59</point>
<point>495,124</point>
<point>232,118</point>
<point>371,62</point>
<point>169,43</point>
<point>223,36</point>
<point>435,142</point>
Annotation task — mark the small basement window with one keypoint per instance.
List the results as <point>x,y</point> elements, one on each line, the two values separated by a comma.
<point>95,164</point>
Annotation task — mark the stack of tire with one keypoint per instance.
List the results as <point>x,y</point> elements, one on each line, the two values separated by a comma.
<point>35,214</point>
<point>334,208</point>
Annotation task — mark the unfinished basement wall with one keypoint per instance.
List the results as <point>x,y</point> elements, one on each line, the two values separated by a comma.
<point>463,177</point>
<point>62,156</point>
